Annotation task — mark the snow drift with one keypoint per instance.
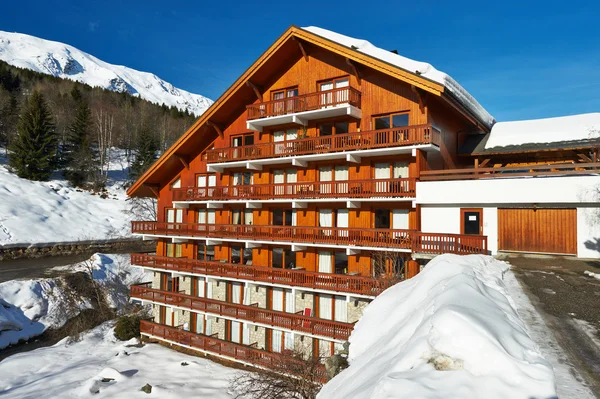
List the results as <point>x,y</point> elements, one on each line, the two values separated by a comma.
<point>67,62</point>
<point>451,332</point>
<point>29,307</point>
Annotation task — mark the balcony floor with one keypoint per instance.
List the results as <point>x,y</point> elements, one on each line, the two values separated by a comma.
<point>302,118</point>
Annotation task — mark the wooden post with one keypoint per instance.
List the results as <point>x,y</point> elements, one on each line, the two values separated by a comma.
<point>411,269</point>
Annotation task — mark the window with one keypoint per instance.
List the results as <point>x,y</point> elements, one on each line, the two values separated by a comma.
<point>170,283</point>
<point>390,121</point>
<point>328,129</point>
<point>382,219</point>
<point>284,107</point>
<point>174,250</point>
<point>242,178</point>
<point>283,258</point>
<point>241,216</point>
<point>284,135</point>
<point>176,183</point>
<point>337,97</point>
<point>340,260</point>
<point>283,217</point>
<point>206,180</point>
<point>242,140</point>
<point>206,252</point>
<point>241,255</point>
<point>382,172</point>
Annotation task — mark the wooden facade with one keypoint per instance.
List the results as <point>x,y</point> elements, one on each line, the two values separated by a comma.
<point>308,201</point>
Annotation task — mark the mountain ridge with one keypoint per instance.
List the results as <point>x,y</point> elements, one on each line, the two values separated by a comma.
<point>66,61</point>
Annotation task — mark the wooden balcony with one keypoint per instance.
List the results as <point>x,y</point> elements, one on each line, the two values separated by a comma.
<point>381,188</point>
<point>242,353</point>
<point>322,100</point>
<point>329,282</point>
<point>357,141</point>
<point>510,172</point>
<point>291,321</point>
<point>409,240</point>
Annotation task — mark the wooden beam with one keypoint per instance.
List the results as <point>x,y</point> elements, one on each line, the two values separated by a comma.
<point>354,68</point>
<point>420,97</point>
<point>217,128</point>
<point>585,158</point>
<point>484,163</point>
<point>183,160</point>
<point>302,49</point>
<point>257,92</point>
<point>154,188</point>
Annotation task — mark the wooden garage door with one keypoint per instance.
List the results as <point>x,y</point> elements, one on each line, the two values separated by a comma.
<point>538,230</point>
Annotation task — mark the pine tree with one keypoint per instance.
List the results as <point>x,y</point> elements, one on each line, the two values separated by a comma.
<point>146,148</point>
<point>78,151</point>
<point>34,148</point>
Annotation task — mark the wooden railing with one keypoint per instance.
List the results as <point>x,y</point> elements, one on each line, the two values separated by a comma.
<point>306,102</point>
<point>212,345</point>
<point>462,244</point>
<point>290,321</point>
<point>385,138</point>
<point>322,235</point>
<point>381,188</point>
<point>298,278</point>
<point>508,172</point>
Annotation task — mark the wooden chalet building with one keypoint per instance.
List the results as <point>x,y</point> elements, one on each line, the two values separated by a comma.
<point>282,207</point>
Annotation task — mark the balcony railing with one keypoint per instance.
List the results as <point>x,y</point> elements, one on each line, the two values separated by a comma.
<point>243,353</point>
<point>509,172</point>
<point>305,102</point>
<point>299,278</point>
<point>381,188</point>
<point>376,238</point>
<point>291,321</point>
<point>386,138</point>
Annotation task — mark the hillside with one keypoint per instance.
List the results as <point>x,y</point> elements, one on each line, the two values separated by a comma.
<point>65,61</point>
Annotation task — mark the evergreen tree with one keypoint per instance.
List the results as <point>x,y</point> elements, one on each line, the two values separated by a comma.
<point>78,151</point>
<point>34,147</point>
<point>146,148</point>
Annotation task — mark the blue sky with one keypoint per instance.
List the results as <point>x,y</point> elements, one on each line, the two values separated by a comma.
<point>520,59</point>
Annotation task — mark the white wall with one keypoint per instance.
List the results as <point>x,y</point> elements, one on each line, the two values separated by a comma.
<point>588,232</point>
<point>490,228</point>
<point>542,190</point>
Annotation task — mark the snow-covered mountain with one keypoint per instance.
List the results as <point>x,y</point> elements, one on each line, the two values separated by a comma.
<point>64,61</point>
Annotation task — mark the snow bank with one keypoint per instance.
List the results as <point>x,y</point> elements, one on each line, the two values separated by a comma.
<point>47,212</point>
<point>548,130</point>
<point>77,371</point>
<point>451,332</point>
<point>39,304</point>
<point>67,62</point>
<point>421,68</point>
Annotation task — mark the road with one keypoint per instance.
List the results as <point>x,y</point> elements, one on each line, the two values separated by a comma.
<point>569,303</point>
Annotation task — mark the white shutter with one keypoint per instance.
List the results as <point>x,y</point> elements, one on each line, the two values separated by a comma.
<point>325,306</point>
<point>325,175</point>
<point>400,219</point>
<point>341,174</point>
<point>325,218</point>
<point>236,329</point>
<point>201,286</point>
<point>291,178</point>
<point>209,289</point>
<point>168,315</point>
<point>170,215</point>
<point>382,171</point>
<point>246,334</point>
<point>201,216</point>
<point>211,216</point>
<point>179,216</point>
<point>341,309</point>
<point>236,293</point>
<point>289,302</point>
<point>342,95</point>
<point>277,137</point>
<point>279,178</point>
<point>199,323</point>
<point>325,262</point>
<point>327,98</point>
<point>201,182</point>
<point>209,325</point>
<point>212,180</point>
<point>294,218</point>
<point>248,216</point>
<point>276,341</point>
<point>342,221</point>
<point>288,342</point>
<point>291,134</point>
<point>277,299</point>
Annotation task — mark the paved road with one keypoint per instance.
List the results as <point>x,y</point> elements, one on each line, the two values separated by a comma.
<point>569,302</point>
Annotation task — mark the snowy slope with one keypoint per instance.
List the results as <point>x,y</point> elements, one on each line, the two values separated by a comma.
<point>450,332</point>
<point>76,371</point>
<point>422,68</point>
<point>547,130</point>
<point>28,307</point>
<point>64,61</point>
<point>46,212</point>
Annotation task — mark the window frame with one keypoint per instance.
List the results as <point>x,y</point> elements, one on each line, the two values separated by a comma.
<point>390,116</point>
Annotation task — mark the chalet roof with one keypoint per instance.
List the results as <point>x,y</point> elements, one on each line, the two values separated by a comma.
<point>201,134</point>
<point>419,68</point>
<point>560,133</point>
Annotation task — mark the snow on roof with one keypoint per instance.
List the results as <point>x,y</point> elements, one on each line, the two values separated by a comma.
<point>548,130</point>
<point>423,69</point>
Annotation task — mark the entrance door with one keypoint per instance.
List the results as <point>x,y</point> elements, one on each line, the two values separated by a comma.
<point>471,221</point>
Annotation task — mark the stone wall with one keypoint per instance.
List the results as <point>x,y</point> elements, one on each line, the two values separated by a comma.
<point>258,295</point>
<point>259,335</point>
<point>356,307</point>
<point>307,302</point>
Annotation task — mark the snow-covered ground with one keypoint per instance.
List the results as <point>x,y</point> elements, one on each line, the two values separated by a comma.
<point>47,212</point>
<point>67,62</point>
<point>76,370</point>
<point>453,331</point>
<point>28,307</point>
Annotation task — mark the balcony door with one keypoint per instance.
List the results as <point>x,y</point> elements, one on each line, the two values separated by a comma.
<point>340,174</point>
<point>286,106</point>
<point>281,176</point>
<point>341,221</point>
<point>325,175</point>
<point>399,221</point>
<point>332,99</point>
<point>207,182</point>
<point>174,216</point>
<point>280,136</point>
<point>382,175</point>
<point>325,262</point>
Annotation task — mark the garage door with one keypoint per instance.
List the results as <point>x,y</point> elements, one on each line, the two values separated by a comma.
<point>538,230</point>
